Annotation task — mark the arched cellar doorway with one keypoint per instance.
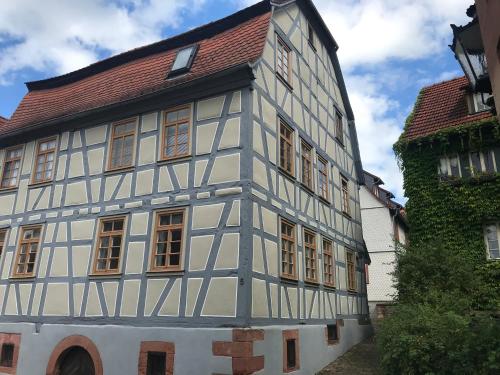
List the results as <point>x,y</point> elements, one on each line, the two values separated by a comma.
<point>75,361</point>
<point>75,355</point>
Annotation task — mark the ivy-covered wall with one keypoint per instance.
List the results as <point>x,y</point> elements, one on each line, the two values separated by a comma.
<point>451,212</point>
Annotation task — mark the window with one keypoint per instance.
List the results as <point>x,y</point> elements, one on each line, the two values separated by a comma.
<point>328,263</point>
<point>283,67</point>
<point>367,274</point>
<point>168,243</point>
<point>11,167</point>
<point>183,60</point>
<point>478,102</point>
<point>291,358</point>
<point>332,334</point>
<point>396,230</point>
<point>306,157</point>
<point>44,162</point>
<point>492,234</point>
<point>122,144</point>
<point>27,251</point>
<point>288,252</point>
<point>310,36</point>
<point>310,254</point>
<point>472,163</point>
<point>345,195</point>
<point>339,127</point>
<point>176,126</point>
<point>286,148</point>
<point>156,358</point>
<point>323,178</point>
<point>351,271</point>
<point>156,363</point>
<point>109,245</point>
<point>7,355</point>
<point>3,235</point>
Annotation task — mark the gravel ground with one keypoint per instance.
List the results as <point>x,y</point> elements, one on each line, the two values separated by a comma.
<point>362,359</point>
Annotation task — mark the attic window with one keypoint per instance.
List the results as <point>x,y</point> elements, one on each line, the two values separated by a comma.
<point>183,60</point>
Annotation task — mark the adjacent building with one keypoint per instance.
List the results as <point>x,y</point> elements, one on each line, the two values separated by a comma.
<point>384,229</point>
<point>187,207</point>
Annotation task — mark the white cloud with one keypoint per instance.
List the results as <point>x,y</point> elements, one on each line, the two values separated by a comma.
<point>63,35</point>
<point>374,36</point>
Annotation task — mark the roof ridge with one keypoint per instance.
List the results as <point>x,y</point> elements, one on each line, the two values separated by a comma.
<point>442,82</point>
<point>197,34</point>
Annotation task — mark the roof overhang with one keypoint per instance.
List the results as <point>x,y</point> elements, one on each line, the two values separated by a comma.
<point>226,80</point>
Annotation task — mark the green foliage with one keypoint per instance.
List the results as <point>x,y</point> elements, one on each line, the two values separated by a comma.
<point>428,339</point>
<point>447,320</point>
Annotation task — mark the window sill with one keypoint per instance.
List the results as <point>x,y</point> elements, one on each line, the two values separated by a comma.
<point>284,81</point>
<point>163,273</point>
<point>346,215</point>
<point>110,275</point>
<point>340,142</point>
<point>174,159</point>
<point>21,278</point>
<point>287,174</point>
<point>313,283</point>
<point>289,279</point>
<point>307,189</point>
<point>40,184</point>
<point>352,291</point>
<point>330,287</point>
<point>324,200</point>
<point>333,342</point>
<point>8,189</point>
<point>118,170</point>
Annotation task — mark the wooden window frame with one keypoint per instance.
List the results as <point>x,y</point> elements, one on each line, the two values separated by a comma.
<point>290,142</point>
<point>328,261</point>
<point>323,189</point>
<point>100,234</point>
<point>38,153</point>
<point>112,138</point>
<point>292,239</point>
<point>4,165</point>
<point>21,242</point>
<point>345,195</point>
<point>304,161</point>
<point>351,270</point>
<point>291,335</point>
<point>3,241</point>
<point>329,340</point>
<point>311,262</point>
<point>154,242</point>
<point>165,125</point>
<point>285,50</point>
<point>339,127</point>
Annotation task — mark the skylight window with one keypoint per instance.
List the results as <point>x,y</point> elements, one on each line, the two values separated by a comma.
<point>183,60</point>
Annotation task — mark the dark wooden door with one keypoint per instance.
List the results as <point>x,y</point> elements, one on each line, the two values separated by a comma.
<point>76,361</point>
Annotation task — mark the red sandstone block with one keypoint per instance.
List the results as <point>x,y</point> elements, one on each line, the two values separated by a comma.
<point>248,334</point>
<point>246,366</point>
<point>232,349</point>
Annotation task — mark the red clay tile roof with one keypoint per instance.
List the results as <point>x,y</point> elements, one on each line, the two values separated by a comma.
<point>442,105</point>
<point>3,120</point>
<point>240,44</point>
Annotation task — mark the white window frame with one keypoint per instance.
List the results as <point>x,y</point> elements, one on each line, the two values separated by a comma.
<point>488,254</point>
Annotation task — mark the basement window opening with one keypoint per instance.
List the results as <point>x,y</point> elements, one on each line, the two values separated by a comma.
<point>332,332</point>
<point>183,60</point>
<point>291,358</point>
<point>156,363</point>
<point>7,355</point>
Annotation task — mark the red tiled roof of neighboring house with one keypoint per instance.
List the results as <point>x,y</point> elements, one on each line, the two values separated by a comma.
<point>3,120</point>
<point>442,105</point>
<point>225,48</point>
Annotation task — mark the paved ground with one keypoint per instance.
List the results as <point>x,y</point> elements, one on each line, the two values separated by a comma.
<point>362,359</point>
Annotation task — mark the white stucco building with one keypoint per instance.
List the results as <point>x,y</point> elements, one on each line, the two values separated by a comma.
<point>384,224</point>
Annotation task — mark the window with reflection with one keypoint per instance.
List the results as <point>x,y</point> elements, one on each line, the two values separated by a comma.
<point>176,132</point>
<point>109,245</point>
<point>168,241</point>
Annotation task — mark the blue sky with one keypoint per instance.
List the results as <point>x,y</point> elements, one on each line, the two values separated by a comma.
<point>389,50</point>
